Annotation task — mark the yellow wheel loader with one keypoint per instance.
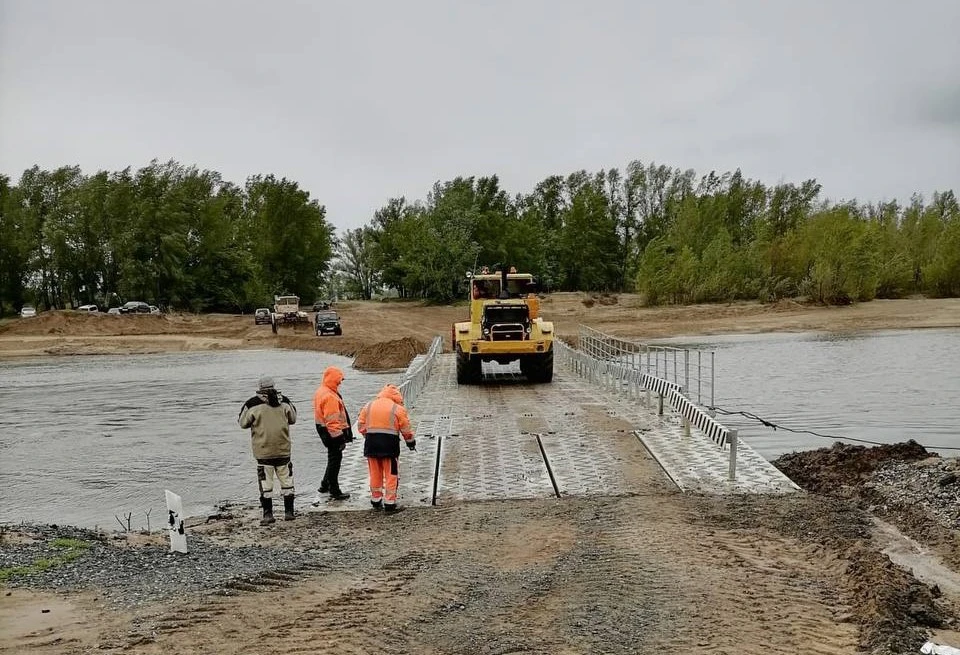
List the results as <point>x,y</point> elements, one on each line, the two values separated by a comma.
<point>505,326</point>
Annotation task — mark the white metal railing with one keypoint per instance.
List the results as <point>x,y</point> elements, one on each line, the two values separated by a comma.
<point>417,374</point>
<point>691,369</point>
<point>614,374</point>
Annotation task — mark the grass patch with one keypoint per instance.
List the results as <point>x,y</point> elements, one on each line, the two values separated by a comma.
<point>70,549</point>
<point>63,542</point>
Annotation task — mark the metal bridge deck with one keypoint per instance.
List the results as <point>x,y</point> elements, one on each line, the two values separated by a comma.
<point>509,439</point>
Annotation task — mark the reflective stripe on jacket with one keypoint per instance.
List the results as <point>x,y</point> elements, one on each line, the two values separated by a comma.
<point>382,422</point>
<point>328,408</point>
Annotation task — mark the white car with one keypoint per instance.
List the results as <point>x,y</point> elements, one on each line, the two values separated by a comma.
<point>89,309</point>
<point>28,311</point>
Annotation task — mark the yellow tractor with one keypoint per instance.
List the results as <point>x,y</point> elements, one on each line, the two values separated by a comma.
<point>505,326</point>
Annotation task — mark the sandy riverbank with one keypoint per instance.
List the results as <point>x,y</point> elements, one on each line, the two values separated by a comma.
<point>366,324</point>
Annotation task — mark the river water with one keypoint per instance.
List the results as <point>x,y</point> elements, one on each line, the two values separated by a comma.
<point>884,386</point>
<point>86,439</point>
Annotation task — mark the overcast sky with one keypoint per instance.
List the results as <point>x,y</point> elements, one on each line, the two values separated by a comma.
<point>361,101</point>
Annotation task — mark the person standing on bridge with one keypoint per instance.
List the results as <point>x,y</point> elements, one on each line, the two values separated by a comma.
<point>333,426</point>
<point>269,415</point>
<point>382,422</point>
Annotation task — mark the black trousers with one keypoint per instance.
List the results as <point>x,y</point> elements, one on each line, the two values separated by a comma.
<point>331,475</point>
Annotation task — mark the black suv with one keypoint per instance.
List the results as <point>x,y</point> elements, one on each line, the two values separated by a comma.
<point>135,307</point>
<point>327,322</point>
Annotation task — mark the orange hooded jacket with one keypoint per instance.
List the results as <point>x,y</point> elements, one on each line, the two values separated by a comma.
<point>328,409</point>
<point>382,422</point>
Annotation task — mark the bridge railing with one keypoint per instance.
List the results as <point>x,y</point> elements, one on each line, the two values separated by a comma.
<point>690,368</point>
<point>417,374</point>
<point>614,374</point>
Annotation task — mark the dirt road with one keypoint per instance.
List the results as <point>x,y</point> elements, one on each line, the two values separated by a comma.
<point>653,572</point>
<point>369,323</point>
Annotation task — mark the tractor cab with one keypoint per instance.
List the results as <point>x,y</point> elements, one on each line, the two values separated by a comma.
<point>504,289</point>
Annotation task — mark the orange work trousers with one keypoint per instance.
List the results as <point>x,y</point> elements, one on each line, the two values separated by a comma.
<point>384,479</point>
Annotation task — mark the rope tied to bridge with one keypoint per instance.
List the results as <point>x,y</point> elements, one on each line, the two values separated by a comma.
<point>776,426</point>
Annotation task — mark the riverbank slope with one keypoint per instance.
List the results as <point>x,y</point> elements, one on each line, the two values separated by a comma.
<point>367,324</point>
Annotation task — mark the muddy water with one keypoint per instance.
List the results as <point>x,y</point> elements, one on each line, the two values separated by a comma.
<point>85,439</point>
<point>885,386</point>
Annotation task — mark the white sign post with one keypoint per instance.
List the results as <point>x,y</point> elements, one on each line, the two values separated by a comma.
<point>178,538</point>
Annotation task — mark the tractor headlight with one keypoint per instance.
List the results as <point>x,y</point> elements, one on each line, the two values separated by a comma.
<point>486,330</point>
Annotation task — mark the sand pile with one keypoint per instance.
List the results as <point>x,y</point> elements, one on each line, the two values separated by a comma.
<point>389,354</point>
<point>77,323</point>
<point>68,323</point>
<point>827,470</point>
<point>381,356</point>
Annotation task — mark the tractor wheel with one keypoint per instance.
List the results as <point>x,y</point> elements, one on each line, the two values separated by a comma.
<point>538,368</point>
<point>469,369</point>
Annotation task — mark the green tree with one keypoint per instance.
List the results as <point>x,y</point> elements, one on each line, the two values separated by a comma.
<point>288,234</point>
<point>355,261</point>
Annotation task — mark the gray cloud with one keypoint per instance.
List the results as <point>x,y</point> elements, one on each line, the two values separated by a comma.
<point>943,107</point>
<point>361,101</point>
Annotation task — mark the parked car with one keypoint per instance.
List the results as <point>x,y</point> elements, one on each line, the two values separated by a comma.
<point>154,309</point>
<point>28,311</point>
<point>115,311</point>
<point>89,309</point>
<point>261,316</point>
<point>328,322</point>
<point>321,305</point>
<point>135,307</point>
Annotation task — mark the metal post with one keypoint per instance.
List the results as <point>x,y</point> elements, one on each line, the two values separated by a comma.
<point>660,408</point>
<point>711,379</point>
<point>699,378</point>
<point>732,475</point>
<point>686,370</point>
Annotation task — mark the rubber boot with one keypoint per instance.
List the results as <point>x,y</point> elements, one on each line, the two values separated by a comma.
<point>288,508</point>
<point>338,495</point>
<point>267,504</point>
<point>376,504</point>
<point>392,509</point>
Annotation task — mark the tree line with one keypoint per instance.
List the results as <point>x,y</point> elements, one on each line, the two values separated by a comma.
<point>167,234</point>
<point>665,233</point>
<point>185,238</point>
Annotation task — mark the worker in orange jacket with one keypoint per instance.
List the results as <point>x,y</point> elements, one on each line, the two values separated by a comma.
<point>383,421</point>
<point>333,425</point>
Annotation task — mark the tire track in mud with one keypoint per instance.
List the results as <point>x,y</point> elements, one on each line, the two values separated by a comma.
<point>358,618</point>
<point>750,581</point>
<point>296,612</point>
<point>575,575</point>
<point>650,580</point>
